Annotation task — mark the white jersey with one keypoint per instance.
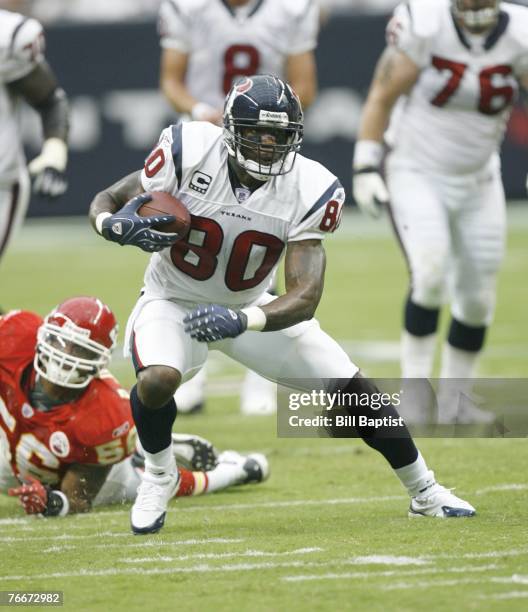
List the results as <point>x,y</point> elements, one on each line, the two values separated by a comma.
<point>453,120</point>
<point>21,48</point>
<point>224,43</point>
<point>233,246</point>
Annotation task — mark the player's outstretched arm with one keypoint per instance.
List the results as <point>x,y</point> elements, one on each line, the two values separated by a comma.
<point>114,215</point>
<point>305,265</point>
<point>172,82</point>
<point>40,89</point>
<point>81,484</point>
<point>301,73</point>
<point>79,487</point>
<point>394,76</point>
<point>304,271</point>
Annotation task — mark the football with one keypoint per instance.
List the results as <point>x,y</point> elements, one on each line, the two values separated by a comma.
<point>165,204</point>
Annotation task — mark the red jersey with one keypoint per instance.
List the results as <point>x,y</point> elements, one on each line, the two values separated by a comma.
<point>97,428</point>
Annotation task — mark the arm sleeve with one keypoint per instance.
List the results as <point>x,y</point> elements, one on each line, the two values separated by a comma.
<point>305,29</point>
<point>322,218</point>
<point>401,34</point>
<point>173,27</point>
<point>26,50</point>
<point>163,167</point>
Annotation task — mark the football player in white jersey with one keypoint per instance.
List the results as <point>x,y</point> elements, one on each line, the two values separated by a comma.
<point>208,45</point>
<point>446,83</point>
<point>25,75</point>
<point>252,198</point>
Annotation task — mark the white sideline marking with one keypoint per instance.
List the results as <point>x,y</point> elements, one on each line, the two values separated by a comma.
<point>149,544</point>
<point>389,560</point>
<point>484,555</point>
<point>247,553</point>
<point>508,595</point>
<point>504,487</point>
<point>387,573</point>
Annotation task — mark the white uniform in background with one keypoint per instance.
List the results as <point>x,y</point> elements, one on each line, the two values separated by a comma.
<point>21,49</point>
<point>444,176</point>
<point>444,172</point>
<point>224,43</point>
<point>245,238</point>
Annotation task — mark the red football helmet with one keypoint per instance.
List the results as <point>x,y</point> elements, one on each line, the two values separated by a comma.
<point>75,342</point>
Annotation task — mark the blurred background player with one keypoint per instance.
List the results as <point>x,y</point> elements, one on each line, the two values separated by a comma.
<point>67,437</point>
<point>446,81</point>
<point>206,46</point>
<point>25,75</point>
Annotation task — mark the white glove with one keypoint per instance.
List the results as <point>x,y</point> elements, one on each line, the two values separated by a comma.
<point>48,169</point>
<point>370,191</point>
<point>368,186</point>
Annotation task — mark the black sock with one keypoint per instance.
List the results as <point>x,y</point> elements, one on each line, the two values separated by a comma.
<point>154,427</point>
<point>394,442</point>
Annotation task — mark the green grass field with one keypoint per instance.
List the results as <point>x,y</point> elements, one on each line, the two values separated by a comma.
<point>329,530</point>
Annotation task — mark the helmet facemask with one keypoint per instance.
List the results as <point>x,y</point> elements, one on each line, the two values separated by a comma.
<point>263,149</point>
<point>481,17</point>
<point>66,355</point>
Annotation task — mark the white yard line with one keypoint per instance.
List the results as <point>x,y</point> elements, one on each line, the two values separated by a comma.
<point>508,595</point>
<point>226,568</point>
<point>143,544</point>
<point>389,560</point>
<point>503,487</point>
<point>265,505</point>
<point>386,574</point>
<point>227,555</point>
<point>514,579</point>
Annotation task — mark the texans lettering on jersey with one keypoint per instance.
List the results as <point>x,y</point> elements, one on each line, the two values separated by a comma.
<point>95,429</point>
<point>453,120</point>
<point>224,43</point>
<point>234,245</point>
<point>21,48</point>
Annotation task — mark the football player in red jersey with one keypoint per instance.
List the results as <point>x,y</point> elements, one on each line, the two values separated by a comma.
<point>67,437</point>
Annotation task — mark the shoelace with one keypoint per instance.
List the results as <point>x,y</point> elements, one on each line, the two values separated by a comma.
<point>440,489</point>
<point>149,495</point>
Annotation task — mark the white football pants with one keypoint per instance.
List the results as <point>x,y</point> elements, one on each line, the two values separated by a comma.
<point>14,200</point>
<point>452,231</point>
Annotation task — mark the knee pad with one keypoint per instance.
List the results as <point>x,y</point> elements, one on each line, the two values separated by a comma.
<point>474,307</point>
<point>429,279</point>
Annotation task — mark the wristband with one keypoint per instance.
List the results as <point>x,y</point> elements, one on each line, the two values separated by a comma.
<point>201,110</point>
<point>99,221</point>
<point>368,153</point>
<point>58,504</point>
<point>256,318</point>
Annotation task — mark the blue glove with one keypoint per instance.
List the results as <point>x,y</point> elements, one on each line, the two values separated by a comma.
<point>211,322</point>
<point>127,227</point>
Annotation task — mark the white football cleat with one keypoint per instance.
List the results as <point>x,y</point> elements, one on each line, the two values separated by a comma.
<point>258,395</point>
<point>439,502</point>
<point>153,495</point>
<point>194,453</point>
<point>252,468</point>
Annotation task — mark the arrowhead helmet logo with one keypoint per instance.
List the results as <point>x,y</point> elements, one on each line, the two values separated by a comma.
<point>117,228</point>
